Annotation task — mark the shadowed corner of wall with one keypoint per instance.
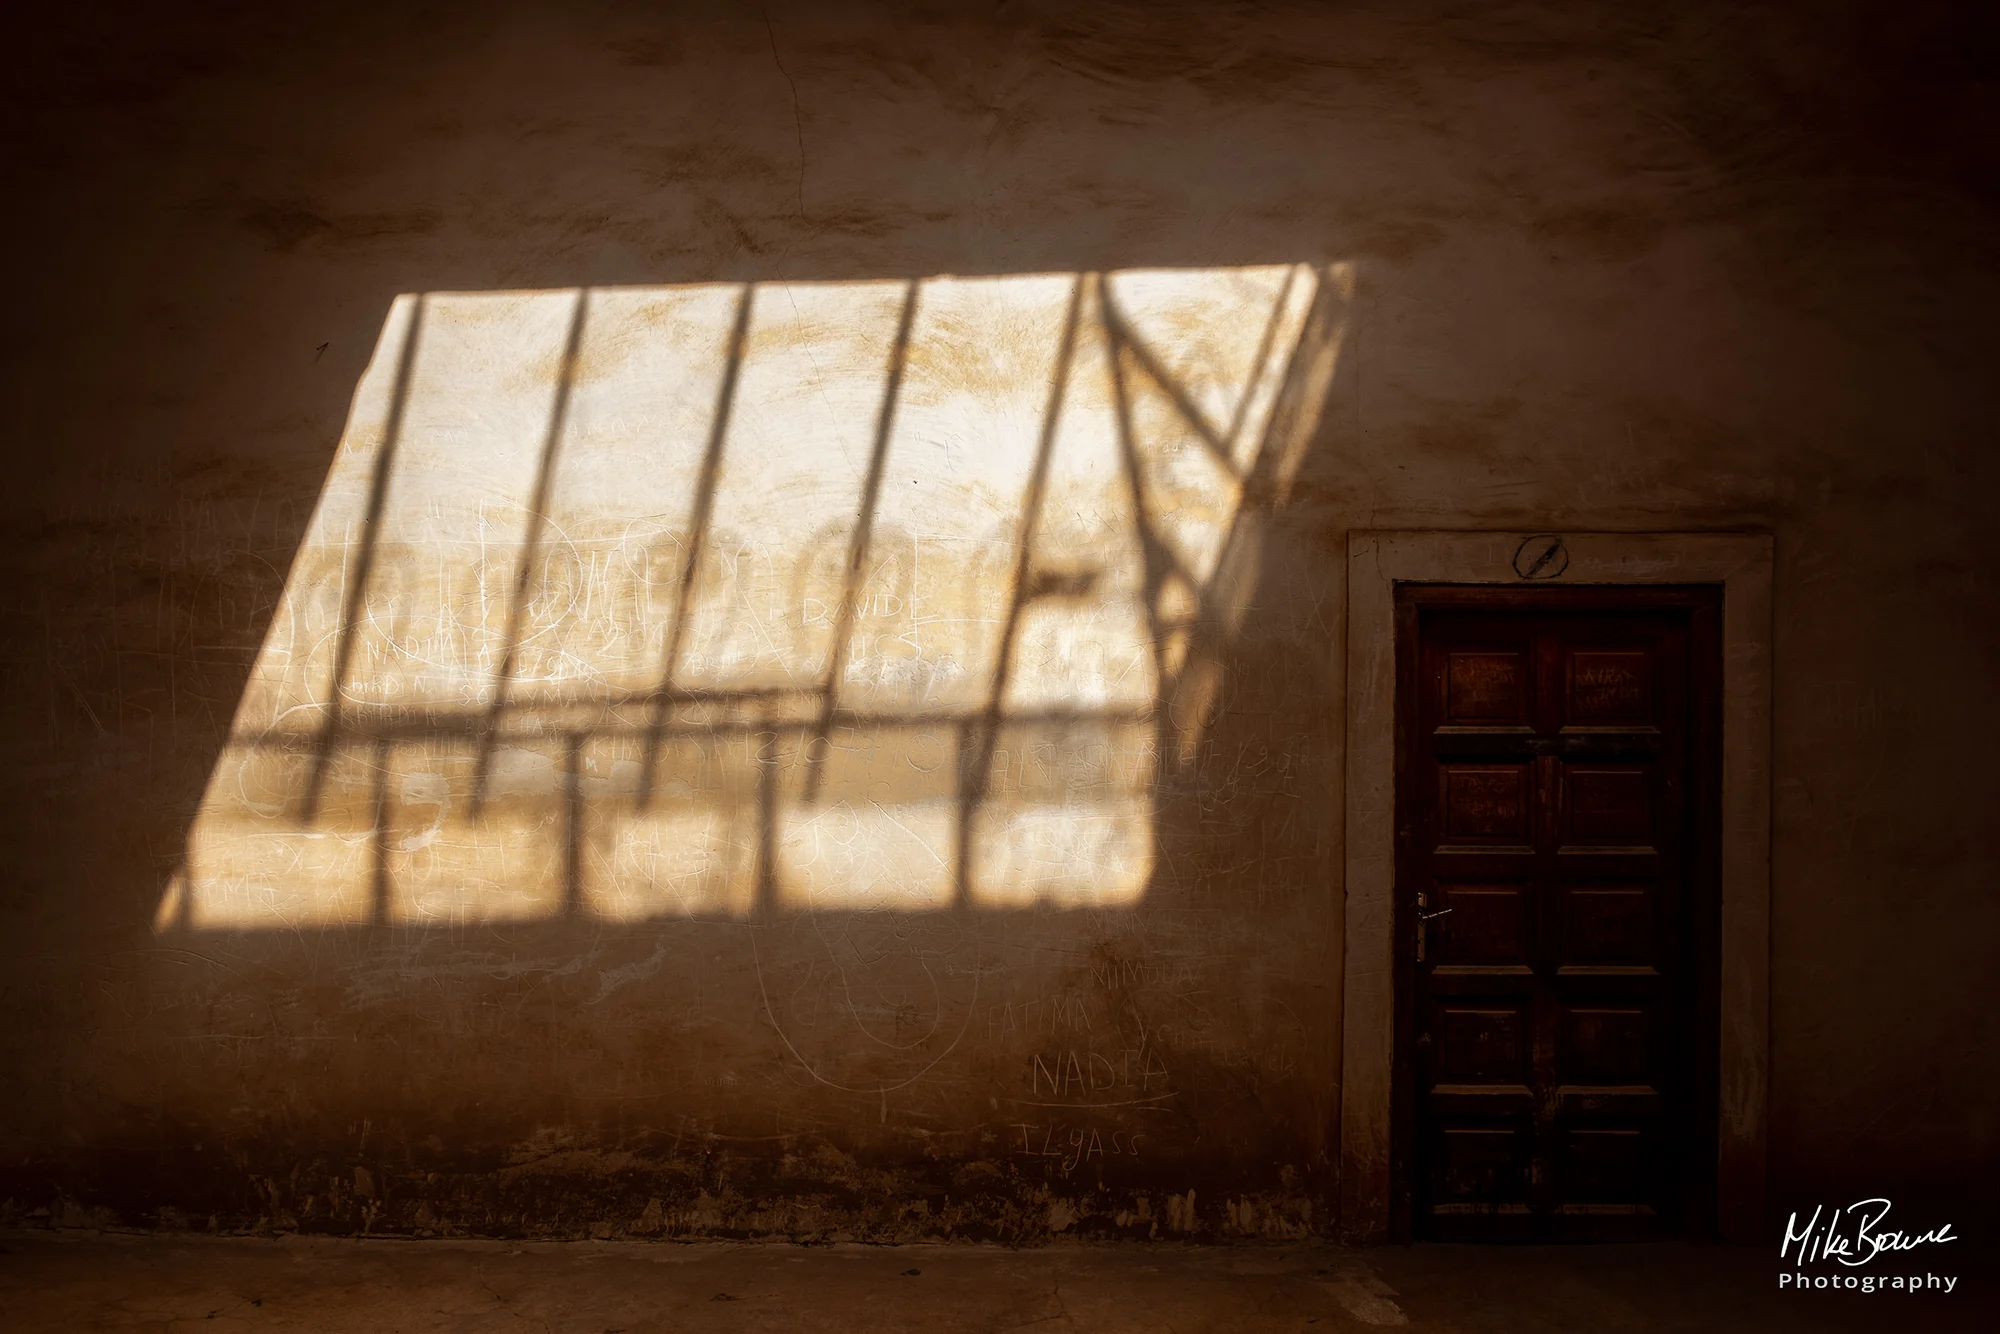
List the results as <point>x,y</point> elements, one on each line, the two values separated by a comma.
<point>734,601</point>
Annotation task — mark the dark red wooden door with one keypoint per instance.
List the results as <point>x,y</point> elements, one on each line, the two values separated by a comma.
<point>1550,821</point>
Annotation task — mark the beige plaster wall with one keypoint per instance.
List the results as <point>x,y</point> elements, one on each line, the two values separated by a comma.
<point>396,891</point>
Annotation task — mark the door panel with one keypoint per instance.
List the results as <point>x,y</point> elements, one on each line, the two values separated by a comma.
<point>1548,851</point>
<point>1492,925</point>
<point>1483,804</point>
<point>1609,925</point>
<point>1608,804</point>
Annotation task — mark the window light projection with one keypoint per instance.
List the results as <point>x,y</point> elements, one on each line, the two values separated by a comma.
<point>732,599</point>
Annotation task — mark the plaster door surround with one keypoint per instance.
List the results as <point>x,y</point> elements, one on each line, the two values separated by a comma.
<point>1379,560</point>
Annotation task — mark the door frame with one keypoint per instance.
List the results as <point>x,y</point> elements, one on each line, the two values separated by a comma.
<point>1377,561</point>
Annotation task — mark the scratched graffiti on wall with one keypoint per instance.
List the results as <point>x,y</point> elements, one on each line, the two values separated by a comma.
<point>738,599</point>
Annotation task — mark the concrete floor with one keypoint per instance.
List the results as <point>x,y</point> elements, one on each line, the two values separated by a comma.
<point>86,1281</point>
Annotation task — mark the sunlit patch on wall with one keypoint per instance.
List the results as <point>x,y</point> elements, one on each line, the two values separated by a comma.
<point>759,598</point>
<point>847,855</point>
<point>1069,854</point>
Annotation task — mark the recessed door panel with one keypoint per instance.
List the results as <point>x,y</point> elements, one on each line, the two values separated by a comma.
<point>1606,1043</point>
<point>1608,925</point>
<point>1609,804</point>
<point>1479,1165</point>
<point>1606,1165</point>
<point>1484,803</point>
<point>1481,1043</point>
<point>1485,689</point>
<point>1483,926</point>
<point>1609,687</point>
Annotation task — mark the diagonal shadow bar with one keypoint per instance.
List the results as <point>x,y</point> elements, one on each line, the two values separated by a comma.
<point>1256,376</point>
<point>1121,333</point>
<point>1215,622</point>
<point>978,739</point>
<point>1158,559</point>
<point>857,551</point>
<point>1319,331</point>
<point>531,542</point>
<point>1257,478</point>
<point>697,538</point>
<point>363,568</point>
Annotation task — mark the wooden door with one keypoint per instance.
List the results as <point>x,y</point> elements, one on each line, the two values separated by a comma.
<point>1556,769</point>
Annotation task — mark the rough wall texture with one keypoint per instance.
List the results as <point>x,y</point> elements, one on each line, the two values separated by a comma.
<point>427,808</point>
